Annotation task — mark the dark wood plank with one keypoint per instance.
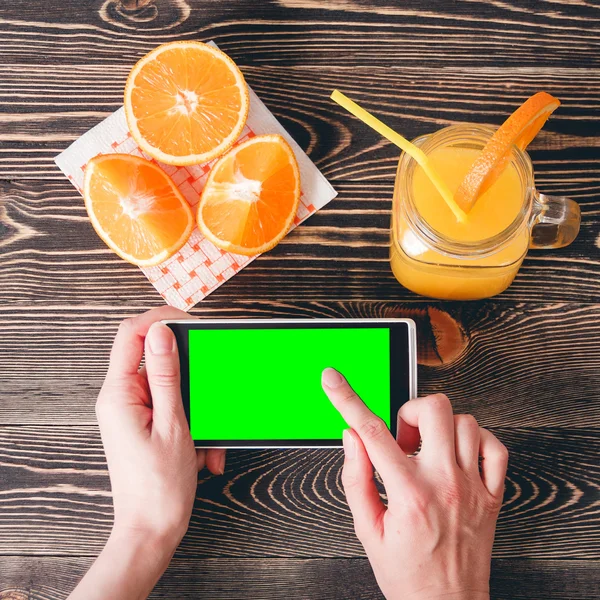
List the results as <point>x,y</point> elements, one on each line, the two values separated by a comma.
<point>509,364</point>
<point>42,111</point>
<point>55,498</point>
<point>50,254</point>
<point>346,32</point>
<point>527,359</point>
<point>52,578</point>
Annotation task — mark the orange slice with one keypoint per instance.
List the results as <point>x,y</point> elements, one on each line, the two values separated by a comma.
<point>518,130</point>
<point>251,196</point>
<point>135,208</point>
<point>186,103</point>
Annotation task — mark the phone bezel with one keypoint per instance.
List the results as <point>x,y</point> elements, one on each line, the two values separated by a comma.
<point>181,328</point>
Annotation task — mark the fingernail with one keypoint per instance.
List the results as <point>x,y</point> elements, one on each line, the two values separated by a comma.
<point>331,378</point>
<point>222,464</point>
<point>160,339</point>
<point>349,444</point>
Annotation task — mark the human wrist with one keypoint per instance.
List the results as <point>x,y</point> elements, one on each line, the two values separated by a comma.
<point>469,590</point>
<point>152,547</point>
<point>128,567</point>
<point>459,594</point>
<point>142,531</point>
<point>453,583</point>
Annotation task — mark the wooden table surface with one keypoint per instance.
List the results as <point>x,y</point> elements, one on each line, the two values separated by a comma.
<point>525,363</point>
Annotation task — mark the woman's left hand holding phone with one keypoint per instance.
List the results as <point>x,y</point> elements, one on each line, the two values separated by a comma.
<point>151,458</point>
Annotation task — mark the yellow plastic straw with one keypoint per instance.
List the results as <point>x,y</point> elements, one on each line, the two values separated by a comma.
<point>403,144</point>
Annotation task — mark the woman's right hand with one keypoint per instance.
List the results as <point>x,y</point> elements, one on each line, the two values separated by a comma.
<point>434,539</point>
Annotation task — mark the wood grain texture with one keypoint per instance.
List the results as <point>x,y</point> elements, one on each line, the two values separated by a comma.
<point>55,498</point>
<point>43,111</point>
<point>346,32</point>
<point>525,363</point>
<point>509,364</point>
<point>52,578</point>
<point>50,254</point>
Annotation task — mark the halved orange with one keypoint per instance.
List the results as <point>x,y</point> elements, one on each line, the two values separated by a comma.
<point>136,209</point>
<point>518,130</point>
<point>186,103</point>
<point>251,196</point>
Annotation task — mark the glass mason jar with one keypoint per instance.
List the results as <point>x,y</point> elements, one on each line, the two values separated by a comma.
<point>431,264</point>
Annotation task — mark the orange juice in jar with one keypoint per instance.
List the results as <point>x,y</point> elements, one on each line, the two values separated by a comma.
<point>434,254</point>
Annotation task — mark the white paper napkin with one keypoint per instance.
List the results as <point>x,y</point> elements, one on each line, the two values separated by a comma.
<point>199,267</point>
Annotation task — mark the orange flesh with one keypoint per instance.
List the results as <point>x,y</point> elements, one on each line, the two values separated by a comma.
<point>518,130</point>
<point>252,196</point>
<point>186,102</point>
<point>137,207</point>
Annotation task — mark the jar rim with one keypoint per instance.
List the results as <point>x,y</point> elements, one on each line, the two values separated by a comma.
<point>431,236</point>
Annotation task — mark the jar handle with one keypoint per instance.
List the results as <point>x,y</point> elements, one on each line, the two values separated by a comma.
<point>555,221</point>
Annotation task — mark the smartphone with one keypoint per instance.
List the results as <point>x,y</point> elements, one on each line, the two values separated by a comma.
<point>257,383</point>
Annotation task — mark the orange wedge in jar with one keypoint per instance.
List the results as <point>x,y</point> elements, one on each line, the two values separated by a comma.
<point>136,209</point>
<point>186,103</point>
<point>251,196</point>
<point>518,130</point>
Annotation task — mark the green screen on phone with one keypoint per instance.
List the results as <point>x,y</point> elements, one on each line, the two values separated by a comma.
<point>265,384</point>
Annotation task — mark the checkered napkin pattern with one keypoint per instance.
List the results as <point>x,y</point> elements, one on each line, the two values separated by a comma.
<point>199,267</point>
